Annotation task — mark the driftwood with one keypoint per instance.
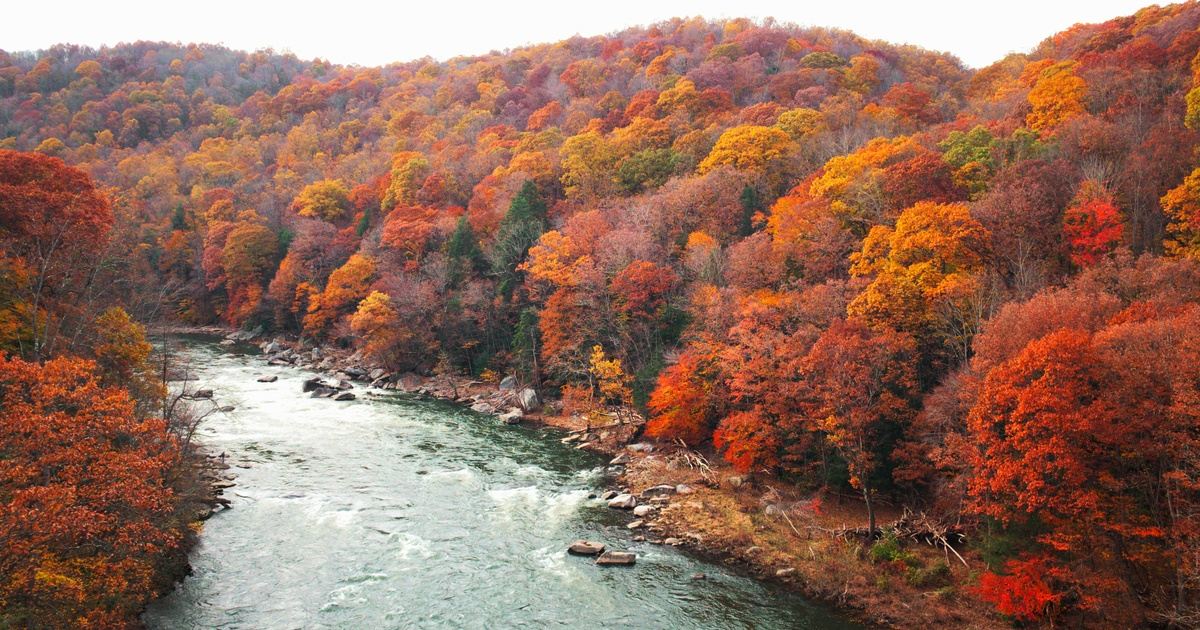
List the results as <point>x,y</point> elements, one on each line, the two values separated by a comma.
<point>911,526</point>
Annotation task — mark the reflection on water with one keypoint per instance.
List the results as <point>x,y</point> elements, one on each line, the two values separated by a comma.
<point>394,512</point>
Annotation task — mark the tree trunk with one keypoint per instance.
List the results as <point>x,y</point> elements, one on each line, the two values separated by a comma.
<point>870,511</point>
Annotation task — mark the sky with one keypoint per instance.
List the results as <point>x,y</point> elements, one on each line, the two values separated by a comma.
<point>372,33</point>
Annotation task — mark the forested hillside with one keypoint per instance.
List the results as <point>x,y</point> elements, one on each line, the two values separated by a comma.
<point>851,264</point>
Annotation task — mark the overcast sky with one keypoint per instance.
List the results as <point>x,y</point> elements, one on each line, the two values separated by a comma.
<point>374,33</point>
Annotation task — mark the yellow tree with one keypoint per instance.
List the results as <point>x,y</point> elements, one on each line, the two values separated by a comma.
<point>1056,97</point>
<point>1182,207</point>
<point>752,148</point>
<point>327,199</point>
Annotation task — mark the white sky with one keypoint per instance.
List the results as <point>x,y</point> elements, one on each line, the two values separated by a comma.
<point>374,33</point>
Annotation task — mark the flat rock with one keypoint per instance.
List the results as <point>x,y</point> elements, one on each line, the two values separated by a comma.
<point>512,416</point>
<point>643,510</point>
<point>345,396</point>
<point>683,488</point>
<point>203,393</point>
<point>617,558</point>
<point>636,524</point>
<point>623,502</point>
<point>609,494</point>
<point>658,491</point>
<point>788,572</point>
<point>482,407</point>
<point>313,384</point>
<point>585,548</point>
<point>674,542</point>
<point>268,379</point>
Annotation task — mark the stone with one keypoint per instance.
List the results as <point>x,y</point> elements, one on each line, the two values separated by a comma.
<point>773,510</point>
<point>203,394</point>
<point>528,399</point>
<point>345,396</point>
<point>636,524</point>
<point>575,437</point>
<point>483,407</point>
<point>272,347</point>
<point>268,379</point>
<point>623,502</point>
<point>356,373</point>
<point>377,374</point>
<point>508,383</point>
<point>228,342</point>
<point>787,572</point>
<point>226,409</point>
<point>617,558</point>
<point>315,354</point>
<point>323,392</point>
<point>683,488</point>
<point>512,416</point>
<point>620,460</point>
<point>585,548</point>
<point>643,510</point>
<point>345,385</point>
<point>313,384</point>
<point>641,447</point>
<point>610,494</point>
<point>674,542</point>
<point>699,576</point>
<point>639,539</point>
<point>658,491</point>
<point>736,481</point>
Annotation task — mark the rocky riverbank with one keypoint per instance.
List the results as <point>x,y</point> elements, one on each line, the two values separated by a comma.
<point>675,496</point>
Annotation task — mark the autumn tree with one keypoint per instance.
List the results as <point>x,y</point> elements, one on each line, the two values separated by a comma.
<point>864,384</point>
<point>327,199</point>
<point>87,508</point>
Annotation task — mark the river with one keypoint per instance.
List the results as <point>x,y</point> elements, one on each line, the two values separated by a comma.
<point>399,512</point>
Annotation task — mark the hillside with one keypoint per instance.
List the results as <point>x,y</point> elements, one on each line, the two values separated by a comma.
<point>862,267</point>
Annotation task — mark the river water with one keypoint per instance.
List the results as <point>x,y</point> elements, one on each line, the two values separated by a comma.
<point>398,512</point>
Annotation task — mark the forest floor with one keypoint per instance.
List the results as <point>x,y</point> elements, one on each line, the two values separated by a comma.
<point>762,526</point>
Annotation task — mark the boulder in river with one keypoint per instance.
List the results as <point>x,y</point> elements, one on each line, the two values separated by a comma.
<point>203,394</point>
<point>323,392</point>
<point>623,502</point>
<point>585,548</point>
<point>616,558</point>
<point>482,407</point>
<point>609,494</point>
<point>268,379</point>
<point>313,384</point>
<point>345,396</point>
<point>377,374</point>
<point>636,524</point>
<point>344,385</point>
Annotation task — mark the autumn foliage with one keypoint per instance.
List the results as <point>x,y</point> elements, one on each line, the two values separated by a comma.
<point>866,268</point>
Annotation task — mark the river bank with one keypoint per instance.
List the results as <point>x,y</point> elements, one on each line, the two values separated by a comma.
<point>761,527</point>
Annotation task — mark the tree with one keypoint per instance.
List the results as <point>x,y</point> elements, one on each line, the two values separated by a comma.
<point>349,284</point>
<point>123,356</point>
<point>326,199</point>
<point>1182,207</point>
<point>53,224</point>
<point>377,323</point>
<point>1056,97</point>
<point>686,401</point>
<point>864,383</point>
<point>750,148</point>
<point>519,230</point>
<point>1093,225</point>
<point>87,511</point>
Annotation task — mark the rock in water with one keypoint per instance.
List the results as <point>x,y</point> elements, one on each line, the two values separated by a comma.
<point>623,502</point>
<point>345,396</point>
<point>268,379</point>
<point>616,558</point>
<point>313,383</point>
<point>203,393</point>
<point>609,494</point>
<point>585,548</point>
<point>482,407</point>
